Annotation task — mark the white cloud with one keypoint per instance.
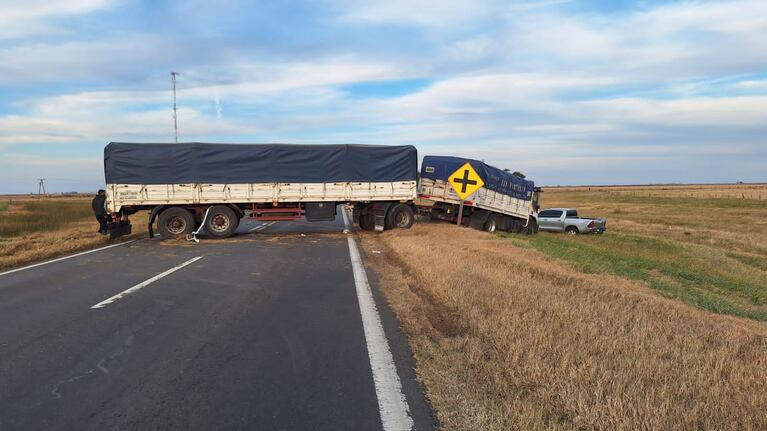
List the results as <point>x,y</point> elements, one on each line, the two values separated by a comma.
<point>523,83</point>
<point>33,17</point>
<point>752,84</point>
<point>443,13</point>
<point>678,41</point>
<point>741,111</point>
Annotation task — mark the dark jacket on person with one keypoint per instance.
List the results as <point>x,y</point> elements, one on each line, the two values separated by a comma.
<point>98,205</point>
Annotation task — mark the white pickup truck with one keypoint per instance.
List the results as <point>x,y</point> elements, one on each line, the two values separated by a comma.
<point>567,220</point>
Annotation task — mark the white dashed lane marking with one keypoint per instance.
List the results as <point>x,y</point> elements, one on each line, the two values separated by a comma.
<point>144,284</point>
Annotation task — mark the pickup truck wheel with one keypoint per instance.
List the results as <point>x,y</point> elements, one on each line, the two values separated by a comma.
<point>491,224</point>
<point>221,221</point>
<point>401,216</point>
<point>175,222</point>
<point>571,230</point>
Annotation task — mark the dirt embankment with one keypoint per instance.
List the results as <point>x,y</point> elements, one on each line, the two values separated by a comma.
<point>507,339</point>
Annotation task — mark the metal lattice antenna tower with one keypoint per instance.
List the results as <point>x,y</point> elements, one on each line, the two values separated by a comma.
<point>175,115</point>
<point>41,187</point>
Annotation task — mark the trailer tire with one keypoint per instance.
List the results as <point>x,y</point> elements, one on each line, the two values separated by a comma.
<point>221,221</point>
<point>175,222</point>
<point>490,224</point>
<point>400,216</point>
<point>367,221</point>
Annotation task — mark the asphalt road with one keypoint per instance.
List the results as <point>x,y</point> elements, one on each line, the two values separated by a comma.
<point>262,331</point>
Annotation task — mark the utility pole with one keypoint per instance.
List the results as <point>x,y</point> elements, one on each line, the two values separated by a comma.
<point>175,115</point>
<point>41,187</point>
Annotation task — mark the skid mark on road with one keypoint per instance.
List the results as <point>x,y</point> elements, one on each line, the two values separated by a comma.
<point>56,390</point>
<point>392,404</point>
<point>144,284</point>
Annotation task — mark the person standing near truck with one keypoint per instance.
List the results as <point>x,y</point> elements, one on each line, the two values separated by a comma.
<point>99,210</point>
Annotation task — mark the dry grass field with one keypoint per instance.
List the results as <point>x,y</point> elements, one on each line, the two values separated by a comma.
<point>33,229</point>
<point>612,332</point>
<point>716,191</point>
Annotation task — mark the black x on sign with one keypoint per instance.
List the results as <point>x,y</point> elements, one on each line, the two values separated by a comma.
<point>465,181</point>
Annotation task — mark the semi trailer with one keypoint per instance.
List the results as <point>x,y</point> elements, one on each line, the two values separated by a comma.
<point>505,202</point>
<point>186,186</point>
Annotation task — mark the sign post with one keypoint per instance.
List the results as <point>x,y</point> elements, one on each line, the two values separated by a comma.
<point>465,182</point>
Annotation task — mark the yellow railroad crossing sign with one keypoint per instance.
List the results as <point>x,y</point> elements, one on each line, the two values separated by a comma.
<point>465,181</point>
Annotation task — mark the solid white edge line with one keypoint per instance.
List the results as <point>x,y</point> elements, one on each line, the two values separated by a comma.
<point>65,257</point>
<point>392,404</point>
<point>143,284</point>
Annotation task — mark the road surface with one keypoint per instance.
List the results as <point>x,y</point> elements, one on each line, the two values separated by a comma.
<point>262,331</point>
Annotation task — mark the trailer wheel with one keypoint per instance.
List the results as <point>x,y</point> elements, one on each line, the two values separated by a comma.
<point>367,221</point>
<point>175,222</point>
<point>401,216</point>
<point>221,221</point>
<point>491,224</point>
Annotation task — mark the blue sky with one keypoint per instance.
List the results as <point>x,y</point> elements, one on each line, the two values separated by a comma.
<point>569,92</point>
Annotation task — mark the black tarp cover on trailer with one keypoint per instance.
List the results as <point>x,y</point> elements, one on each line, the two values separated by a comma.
<point>441,167</point>
<point>194,163</point>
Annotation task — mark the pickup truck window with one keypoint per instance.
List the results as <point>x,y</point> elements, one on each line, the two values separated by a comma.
<point>572,213</point>
<point>550,214</point>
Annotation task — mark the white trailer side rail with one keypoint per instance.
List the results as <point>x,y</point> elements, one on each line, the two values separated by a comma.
<point>441,191</point>
<point>121,195</point>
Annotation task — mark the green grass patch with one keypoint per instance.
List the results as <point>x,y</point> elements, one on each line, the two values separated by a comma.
<point>3,206</point>
<point>694,274</point>
<point>43,215</point>
<point>758,262</point>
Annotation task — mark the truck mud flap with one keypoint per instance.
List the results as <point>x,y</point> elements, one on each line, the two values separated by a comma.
<point>478,218</point>
<point>380,209</point>
<point>120,228</point>
<point>152,217</point>
<point>320,211</point>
